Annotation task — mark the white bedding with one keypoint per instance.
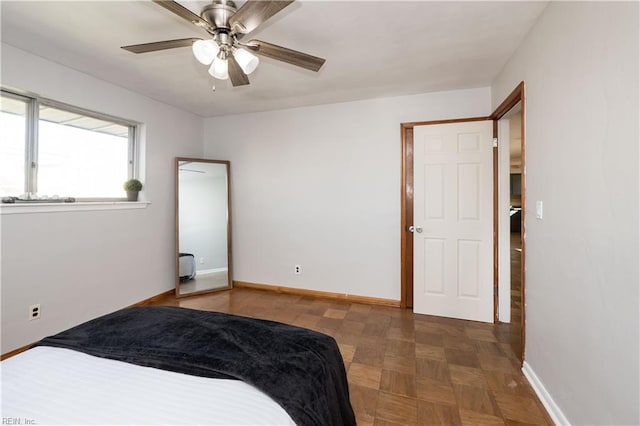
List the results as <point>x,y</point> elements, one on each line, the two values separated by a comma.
<point>47,385</point>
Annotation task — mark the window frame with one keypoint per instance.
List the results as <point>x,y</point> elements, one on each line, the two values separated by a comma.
<point>32,118</point>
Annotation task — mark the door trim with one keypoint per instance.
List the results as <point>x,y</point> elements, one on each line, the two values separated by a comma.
<point>406,202</point>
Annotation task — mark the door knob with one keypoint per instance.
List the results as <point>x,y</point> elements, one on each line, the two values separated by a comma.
<point>417,229</point>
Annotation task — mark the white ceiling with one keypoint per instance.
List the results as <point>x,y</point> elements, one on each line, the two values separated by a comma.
<point>373,49</point>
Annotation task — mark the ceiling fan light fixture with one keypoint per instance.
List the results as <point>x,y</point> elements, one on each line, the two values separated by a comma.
<point>247,60</point>
<point>226,25</point>
<point>219,68</point>
<point>205,51</point>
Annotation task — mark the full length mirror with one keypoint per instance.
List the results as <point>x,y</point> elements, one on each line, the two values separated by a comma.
<point>203,226</point>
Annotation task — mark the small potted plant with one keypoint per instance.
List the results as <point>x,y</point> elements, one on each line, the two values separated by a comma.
<point>132,186</point>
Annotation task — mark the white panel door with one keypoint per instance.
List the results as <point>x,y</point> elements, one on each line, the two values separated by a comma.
<point>453,220</point>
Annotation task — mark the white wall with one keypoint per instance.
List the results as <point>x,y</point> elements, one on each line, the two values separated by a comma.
<point>580,65</point>
<point>79,265</point>
<point>320,187</point>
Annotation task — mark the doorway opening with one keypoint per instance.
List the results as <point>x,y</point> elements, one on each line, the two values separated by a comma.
<point>517,96</point>
<point>507,254</point>
<point>510,224</point>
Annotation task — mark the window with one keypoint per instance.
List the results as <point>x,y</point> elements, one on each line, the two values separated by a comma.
<point>12,145</point>
<point>49,149</point>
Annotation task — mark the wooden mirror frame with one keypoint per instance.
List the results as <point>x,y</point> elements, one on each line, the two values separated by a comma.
<point>229,285</point>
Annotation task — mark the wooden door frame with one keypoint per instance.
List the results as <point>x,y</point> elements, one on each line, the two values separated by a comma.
<point>515,97</point>
<point>406,200</point>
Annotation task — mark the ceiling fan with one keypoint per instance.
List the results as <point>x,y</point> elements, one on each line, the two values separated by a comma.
<point>225,53</point>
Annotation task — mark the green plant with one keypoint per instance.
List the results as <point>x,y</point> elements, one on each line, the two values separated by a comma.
<point>133,185</point>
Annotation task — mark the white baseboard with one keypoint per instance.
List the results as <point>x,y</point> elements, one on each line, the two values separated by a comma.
<point>210,271</point>
<point>554,411</point>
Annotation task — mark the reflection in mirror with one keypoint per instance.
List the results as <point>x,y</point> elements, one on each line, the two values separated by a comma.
<point>203,227</point>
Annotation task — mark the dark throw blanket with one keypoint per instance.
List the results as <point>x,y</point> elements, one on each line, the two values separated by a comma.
<point>300,369</point>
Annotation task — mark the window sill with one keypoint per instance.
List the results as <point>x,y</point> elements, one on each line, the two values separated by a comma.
<point>18,208</point>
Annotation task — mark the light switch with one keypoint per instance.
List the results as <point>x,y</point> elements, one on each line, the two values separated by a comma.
<point>538,209</point>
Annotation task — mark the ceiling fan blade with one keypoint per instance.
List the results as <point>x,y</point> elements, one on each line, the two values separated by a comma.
<point>159,45</point>
<point>237,76</point>
<point>183,12</point>
<point>290,56</point>
<point>255,12</point>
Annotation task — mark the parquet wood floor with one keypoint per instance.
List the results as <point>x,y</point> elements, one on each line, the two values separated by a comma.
<point>403,368</point>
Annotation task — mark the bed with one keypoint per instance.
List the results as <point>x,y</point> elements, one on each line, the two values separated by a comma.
<point>170,365</point>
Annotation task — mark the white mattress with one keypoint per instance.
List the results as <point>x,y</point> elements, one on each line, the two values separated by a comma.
<point>48,385</point>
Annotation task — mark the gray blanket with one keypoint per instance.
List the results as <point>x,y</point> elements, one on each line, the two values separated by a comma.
<point>302,370</point>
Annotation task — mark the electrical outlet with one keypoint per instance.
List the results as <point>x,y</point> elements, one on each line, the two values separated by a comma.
<point>297,269</point>
<point>202,260</point>
<point>34,312</point>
